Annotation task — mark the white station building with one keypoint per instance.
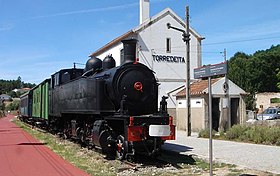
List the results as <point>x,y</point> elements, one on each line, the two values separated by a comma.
<point>161,49</point>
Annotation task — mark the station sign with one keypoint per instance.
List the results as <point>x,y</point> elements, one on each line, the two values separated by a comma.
<point>210,70</point>
<point>169,59</point>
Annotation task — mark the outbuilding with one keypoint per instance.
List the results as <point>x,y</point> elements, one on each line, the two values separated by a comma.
<point>159,48</point>
<point>228,108</point>
<point>5,97</point>
<point>265,100</point>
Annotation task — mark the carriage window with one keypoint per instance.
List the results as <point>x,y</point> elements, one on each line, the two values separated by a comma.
<point>65,77</point>
<point>168,45</point>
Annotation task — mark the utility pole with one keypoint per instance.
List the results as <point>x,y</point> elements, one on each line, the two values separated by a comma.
<point>186,39</point>
<point>210,127</point>
<point>225,54</point>
<point>226,90</point>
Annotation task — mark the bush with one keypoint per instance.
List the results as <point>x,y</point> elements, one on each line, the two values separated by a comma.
<point>206,133</point>
<point>1,114</point>
<point>255,134</point>
<point>273,136</point>
<point>236,132</point>
<point>13,106</point>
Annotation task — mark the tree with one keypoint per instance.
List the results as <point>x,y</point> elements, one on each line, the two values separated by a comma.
<point>278,78</point>
<point>256,73</point>
<point>6,86</point>
<point>19,83</point>
<point>13,94</point>
<point>238,69</point>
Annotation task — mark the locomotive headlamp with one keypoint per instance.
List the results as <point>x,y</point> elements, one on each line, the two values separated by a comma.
<point>138,86</point>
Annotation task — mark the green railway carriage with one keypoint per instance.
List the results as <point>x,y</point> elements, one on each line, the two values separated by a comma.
<point>26,105</point>
<point>40,101</point>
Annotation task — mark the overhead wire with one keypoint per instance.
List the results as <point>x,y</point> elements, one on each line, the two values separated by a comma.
<point>216,43</point>
<point>245,40</point>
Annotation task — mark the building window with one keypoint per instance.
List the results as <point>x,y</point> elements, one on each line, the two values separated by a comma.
<point>275,100</point>
<point>168,45</point>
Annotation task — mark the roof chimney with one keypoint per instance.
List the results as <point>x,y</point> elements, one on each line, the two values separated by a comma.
<point>144,10</point>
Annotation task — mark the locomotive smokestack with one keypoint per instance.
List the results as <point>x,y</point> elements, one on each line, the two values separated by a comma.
<point>129,50</point>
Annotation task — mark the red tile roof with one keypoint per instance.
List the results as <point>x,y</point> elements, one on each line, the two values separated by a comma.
<point>198,87</point>
<point>25,89</point>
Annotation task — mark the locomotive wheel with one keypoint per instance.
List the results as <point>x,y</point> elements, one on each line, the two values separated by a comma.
<point>121,147</point>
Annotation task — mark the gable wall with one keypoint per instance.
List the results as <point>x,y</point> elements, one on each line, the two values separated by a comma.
<point>152,41</point>
<point>115,51</point>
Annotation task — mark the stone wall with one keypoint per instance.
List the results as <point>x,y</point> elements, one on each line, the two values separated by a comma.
<point>269,123</point>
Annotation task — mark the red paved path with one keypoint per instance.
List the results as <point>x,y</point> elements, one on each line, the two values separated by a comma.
<point>22,155</point>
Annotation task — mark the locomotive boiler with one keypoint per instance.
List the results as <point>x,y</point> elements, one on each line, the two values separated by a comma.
<point>108,107</point>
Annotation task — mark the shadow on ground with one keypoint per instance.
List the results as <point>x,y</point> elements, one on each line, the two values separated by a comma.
<point>32,143</point>
<point>177,159</point>
<point>176,147</point>
<point>168,156</point>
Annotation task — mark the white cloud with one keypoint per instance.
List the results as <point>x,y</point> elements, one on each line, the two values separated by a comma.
<point>118,7</point>
<point>6,27</point>
<point>16,58</point>
<point>87,11</point>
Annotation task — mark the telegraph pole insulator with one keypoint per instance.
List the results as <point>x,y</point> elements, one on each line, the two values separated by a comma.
<point>186,37</point>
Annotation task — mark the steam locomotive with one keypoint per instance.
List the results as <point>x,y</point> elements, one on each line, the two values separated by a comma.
<point>103,106</point>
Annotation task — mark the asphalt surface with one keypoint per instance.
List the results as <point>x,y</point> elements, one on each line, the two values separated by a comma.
<point>251,156</point>
<point>22,155</point>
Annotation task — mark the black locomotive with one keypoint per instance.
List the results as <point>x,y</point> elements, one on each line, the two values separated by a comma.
<point>104,106</point>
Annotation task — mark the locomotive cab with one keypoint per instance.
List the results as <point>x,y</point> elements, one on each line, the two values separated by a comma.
<point>65,75</point>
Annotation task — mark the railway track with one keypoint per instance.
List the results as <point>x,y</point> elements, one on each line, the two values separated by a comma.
<point>145,162</point>
<point>140,163</point>
<point>146,166</point>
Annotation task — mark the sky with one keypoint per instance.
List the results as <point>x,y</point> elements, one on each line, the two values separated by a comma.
<point>39,37</point>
